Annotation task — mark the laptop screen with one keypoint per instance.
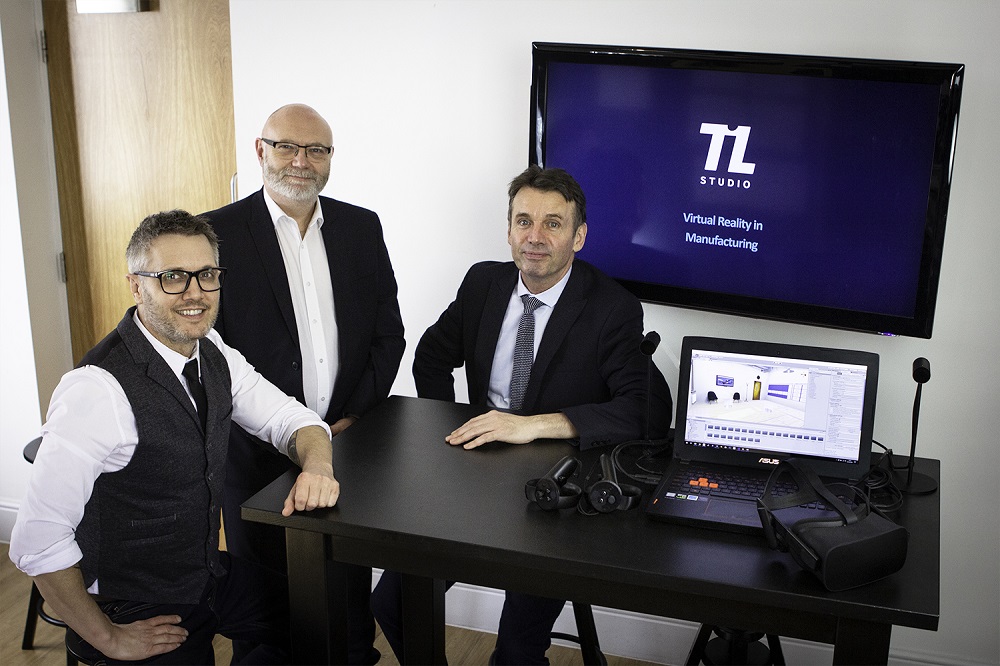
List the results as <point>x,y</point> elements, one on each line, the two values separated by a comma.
<point>754,403</point>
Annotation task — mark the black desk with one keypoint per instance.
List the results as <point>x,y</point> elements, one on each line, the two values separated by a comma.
<point>414,504</point>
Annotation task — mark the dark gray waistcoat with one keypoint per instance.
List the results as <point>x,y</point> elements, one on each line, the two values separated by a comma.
<point>150,531</point>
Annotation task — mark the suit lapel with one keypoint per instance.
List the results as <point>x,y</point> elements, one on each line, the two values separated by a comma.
<point>156,368</point>
<point>215,378</point>
<point>339,278</point>
<point>261,229</point>
<point>566,312</point>
<point>494,309</point>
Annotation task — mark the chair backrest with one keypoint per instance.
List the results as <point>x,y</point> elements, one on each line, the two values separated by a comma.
<point>31,449</point>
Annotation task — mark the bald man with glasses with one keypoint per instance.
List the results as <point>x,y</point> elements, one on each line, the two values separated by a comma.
<point>310,300</point>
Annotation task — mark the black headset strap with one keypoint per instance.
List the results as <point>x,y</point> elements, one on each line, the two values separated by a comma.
<point>811,487</point>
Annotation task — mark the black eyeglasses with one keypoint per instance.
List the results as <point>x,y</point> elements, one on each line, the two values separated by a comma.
<point>176,281</point>
<point>287,150</point>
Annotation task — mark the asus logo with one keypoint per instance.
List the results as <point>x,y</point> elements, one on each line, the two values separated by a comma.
<point>719,134</point>
<point>769,461</point>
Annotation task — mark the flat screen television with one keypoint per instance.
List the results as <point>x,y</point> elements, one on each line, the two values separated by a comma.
<point>798,188</point>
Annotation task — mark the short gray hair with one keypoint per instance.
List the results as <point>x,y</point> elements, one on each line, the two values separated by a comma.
<point>178,222</point>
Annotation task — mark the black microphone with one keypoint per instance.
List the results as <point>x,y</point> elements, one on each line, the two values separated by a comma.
<point>917,483</point>
<point>649,343</point>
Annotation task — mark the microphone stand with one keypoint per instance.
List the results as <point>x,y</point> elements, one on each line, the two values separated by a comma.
<point>648,345</point>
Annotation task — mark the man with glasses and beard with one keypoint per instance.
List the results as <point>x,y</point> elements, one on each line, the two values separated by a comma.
<point>311,303</point>
<point>120,526</point>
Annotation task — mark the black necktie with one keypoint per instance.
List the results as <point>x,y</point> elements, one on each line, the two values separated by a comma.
<point>524,352</point>
<point>197,390</point>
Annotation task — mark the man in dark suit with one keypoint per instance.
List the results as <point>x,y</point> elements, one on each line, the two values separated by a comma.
<point>311,303</point>
<point>550,343</point>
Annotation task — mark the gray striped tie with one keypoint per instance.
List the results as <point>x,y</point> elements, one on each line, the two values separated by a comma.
<point>524,351</point>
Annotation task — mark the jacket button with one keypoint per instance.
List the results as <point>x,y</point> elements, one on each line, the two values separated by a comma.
<point>295,365</point>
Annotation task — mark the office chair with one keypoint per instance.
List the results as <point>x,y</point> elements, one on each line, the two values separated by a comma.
<point>590,647</point>
<point>734,646</point>
<point>36,604</point>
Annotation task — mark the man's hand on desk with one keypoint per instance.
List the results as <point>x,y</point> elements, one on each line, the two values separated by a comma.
<point>312,491</point>
<point>315,487</point>
<point>497,426</point>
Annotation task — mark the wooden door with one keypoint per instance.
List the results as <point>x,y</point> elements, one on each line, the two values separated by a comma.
<point>142,115</point>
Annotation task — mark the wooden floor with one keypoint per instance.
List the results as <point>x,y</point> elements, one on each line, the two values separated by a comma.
<point>463,646</point>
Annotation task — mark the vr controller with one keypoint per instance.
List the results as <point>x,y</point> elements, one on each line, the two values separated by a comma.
<point>554,491</point>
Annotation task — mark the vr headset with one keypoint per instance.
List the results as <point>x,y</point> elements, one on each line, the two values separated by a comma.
<point>856,548</point>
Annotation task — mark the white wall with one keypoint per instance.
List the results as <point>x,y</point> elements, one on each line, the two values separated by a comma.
<point>34,322</point>
<point>429,106</point>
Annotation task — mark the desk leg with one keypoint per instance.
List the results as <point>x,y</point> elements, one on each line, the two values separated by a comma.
<point>423,620</point>
<point>317,589</point>
<point>861,643</point>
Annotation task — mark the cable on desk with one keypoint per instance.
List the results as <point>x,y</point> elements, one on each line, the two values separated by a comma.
<point>642,473</point>
<point>878,486</point>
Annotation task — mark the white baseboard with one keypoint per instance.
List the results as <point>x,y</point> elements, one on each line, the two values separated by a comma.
<point>8,513</point>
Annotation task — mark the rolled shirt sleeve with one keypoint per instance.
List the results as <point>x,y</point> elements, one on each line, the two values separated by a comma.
<point>86,434</point>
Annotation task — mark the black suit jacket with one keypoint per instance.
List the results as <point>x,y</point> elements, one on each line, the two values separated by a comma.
<point>256,315</point>
<point>588,364</point>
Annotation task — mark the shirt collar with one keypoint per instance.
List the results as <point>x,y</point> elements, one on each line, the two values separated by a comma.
<point>551,295</point>
<point>276,212</point>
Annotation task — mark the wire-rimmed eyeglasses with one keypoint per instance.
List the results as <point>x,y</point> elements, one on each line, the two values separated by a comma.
<point>286,150</point>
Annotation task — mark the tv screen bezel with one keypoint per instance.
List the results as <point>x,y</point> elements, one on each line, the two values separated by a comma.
<point>947,76</point>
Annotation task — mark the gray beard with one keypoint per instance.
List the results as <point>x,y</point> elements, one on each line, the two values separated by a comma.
<point>303,194</point>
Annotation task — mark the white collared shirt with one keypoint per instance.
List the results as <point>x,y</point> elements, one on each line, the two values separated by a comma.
<point>90,430</point>
<point>308,271</point>
<point>503,356</point>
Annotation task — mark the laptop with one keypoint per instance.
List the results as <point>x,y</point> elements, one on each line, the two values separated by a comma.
<point>744,406</point>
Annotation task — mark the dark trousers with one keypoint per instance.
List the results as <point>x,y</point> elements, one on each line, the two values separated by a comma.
<point>525,623</point>
<point>245,604</point>
<point>265,545</point>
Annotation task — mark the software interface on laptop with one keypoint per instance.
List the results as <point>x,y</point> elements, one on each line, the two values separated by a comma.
<point>754,403</point>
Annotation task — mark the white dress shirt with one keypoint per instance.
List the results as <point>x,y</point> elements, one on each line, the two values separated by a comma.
<point>90,430</point>
<point>503,356</point>
<point>308,270</point>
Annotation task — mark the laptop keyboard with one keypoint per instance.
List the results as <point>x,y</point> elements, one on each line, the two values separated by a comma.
<point>712,483</point>
<point>704,482</point>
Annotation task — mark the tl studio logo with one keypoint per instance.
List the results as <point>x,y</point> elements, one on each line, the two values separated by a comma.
<point>741,136</point>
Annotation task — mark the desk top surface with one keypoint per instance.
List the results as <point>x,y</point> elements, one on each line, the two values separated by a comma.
<point>410,499</point>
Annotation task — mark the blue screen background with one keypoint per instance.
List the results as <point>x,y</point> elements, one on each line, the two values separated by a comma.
<point>839,191</point>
